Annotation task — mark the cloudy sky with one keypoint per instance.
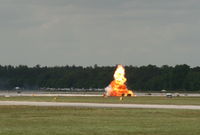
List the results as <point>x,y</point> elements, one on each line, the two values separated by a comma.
<point>103,32</point>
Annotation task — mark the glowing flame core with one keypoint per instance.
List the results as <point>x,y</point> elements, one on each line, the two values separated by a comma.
<point>119,75</point>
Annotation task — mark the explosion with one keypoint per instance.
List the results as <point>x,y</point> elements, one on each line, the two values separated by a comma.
<point>118,87</point>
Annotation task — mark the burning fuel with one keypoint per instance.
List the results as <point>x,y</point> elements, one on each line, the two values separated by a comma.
<point>118,86</point>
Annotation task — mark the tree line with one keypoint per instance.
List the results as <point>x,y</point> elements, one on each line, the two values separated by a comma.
<point>151,77</point>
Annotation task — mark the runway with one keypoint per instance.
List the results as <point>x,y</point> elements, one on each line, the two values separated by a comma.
<point>82,94</point>
<point>99,105</point>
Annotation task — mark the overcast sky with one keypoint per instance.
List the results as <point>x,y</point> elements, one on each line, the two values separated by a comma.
<point>103,32</point>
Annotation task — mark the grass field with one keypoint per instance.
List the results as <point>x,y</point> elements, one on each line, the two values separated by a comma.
<point>24,120</point>
<point>127,100</point>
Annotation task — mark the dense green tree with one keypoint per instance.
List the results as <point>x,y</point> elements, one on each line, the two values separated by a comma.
<point>151,77</point>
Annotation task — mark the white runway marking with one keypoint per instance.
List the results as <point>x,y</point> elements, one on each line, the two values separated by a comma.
<point>99,105</point>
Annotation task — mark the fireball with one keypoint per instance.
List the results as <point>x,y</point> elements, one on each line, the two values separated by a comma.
<point>118,86</point>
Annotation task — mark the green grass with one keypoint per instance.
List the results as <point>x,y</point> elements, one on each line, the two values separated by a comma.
<point>24,120</point>
<point>127,100</point>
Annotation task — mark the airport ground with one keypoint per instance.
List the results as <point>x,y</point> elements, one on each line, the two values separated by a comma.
<point>62,120</point>
<point>90,93</point>
<point>32,120</point>
<point>160,100</point>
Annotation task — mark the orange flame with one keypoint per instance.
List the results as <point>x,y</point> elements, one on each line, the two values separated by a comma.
<point>118,87</point>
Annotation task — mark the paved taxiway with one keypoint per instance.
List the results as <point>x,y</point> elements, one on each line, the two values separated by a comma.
<point>99,105</point>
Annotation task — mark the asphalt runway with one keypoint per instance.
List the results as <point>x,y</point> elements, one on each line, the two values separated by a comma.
<point>36,93</point>
<point>99,105</point>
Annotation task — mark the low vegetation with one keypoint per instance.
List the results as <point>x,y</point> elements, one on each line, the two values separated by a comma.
<point>24,120</point>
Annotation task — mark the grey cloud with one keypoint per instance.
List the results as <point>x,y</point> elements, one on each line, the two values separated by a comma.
<point>104,32</point>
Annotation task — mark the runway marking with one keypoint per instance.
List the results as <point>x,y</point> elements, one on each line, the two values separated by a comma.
<point>99,105</point>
